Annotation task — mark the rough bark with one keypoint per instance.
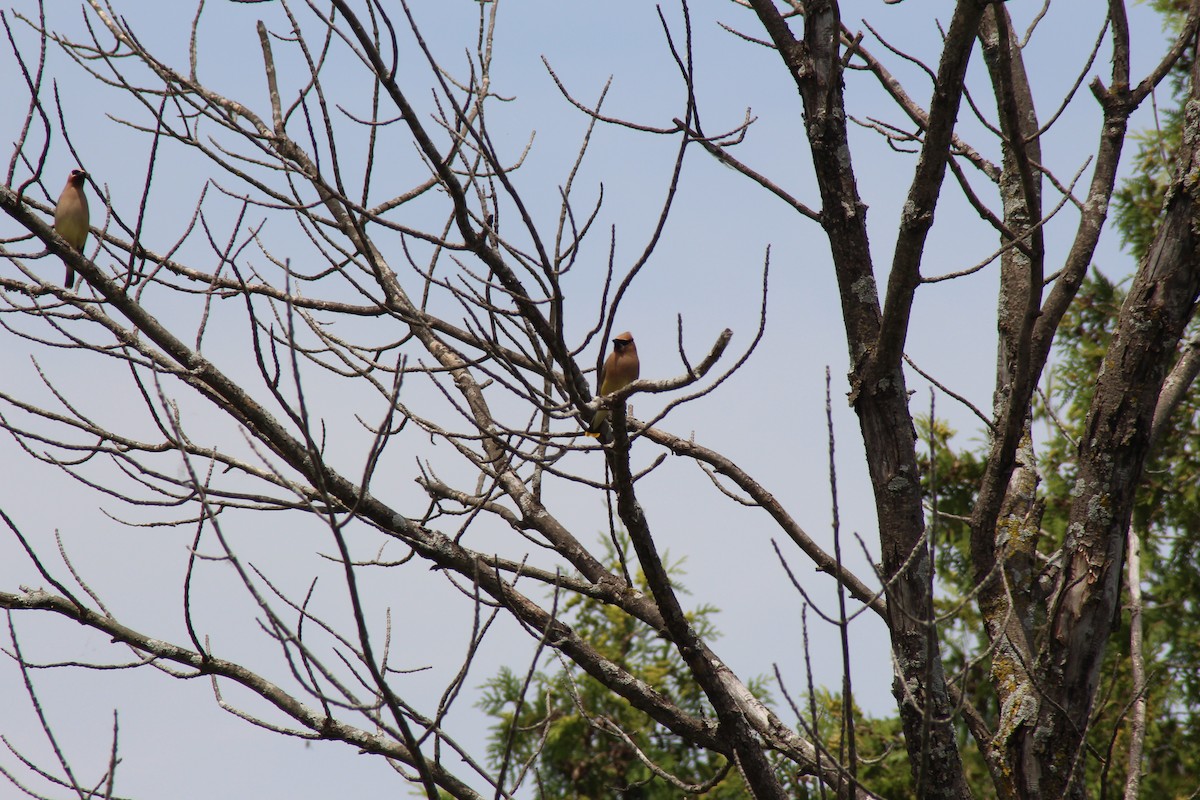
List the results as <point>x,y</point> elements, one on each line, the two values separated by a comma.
<point>1004,595</point>
<point>1112,454</point>
<point>876,341</point>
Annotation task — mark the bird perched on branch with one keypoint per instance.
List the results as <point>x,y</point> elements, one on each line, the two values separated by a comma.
<point>620,369</point>
<point>71,216</point>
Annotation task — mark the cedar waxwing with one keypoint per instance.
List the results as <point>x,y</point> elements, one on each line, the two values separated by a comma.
<point>620,369</point>
<point>71,216</point>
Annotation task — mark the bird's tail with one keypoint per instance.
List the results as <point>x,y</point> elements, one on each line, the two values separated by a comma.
<point>597,421</point>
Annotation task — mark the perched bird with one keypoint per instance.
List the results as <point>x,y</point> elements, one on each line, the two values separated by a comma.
<point>620,369</point>
<point>71,216</point>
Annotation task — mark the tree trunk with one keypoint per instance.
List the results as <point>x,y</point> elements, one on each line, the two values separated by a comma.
<point>1112,454</point>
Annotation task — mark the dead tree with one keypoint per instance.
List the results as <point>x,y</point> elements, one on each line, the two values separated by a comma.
<point>419,281</point>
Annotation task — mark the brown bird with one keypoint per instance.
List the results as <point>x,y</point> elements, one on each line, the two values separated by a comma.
<point>71,216</point>
<point>620,369</point>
